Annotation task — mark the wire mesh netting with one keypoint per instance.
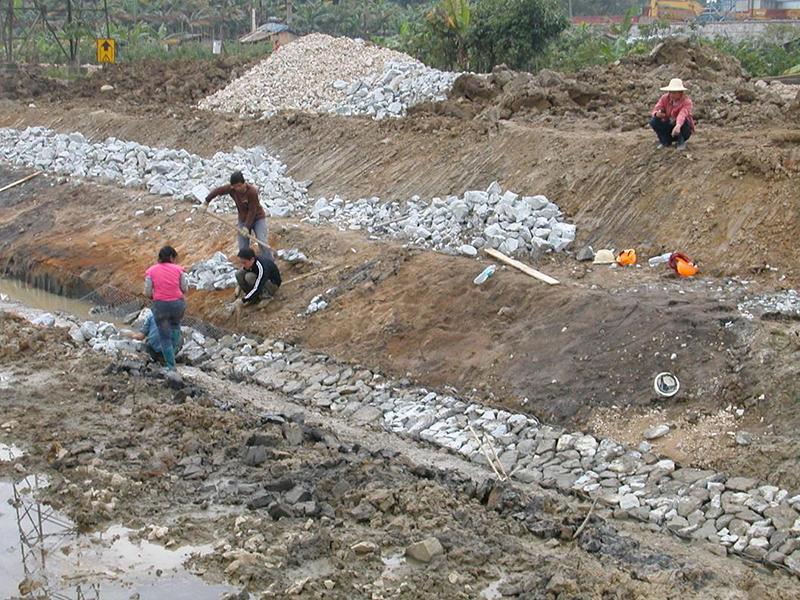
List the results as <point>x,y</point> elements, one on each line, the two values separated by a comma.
<point>124,305</point>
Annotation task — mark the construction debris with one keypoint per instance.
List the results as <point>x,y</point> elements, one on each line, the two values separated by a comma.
<point>320,73</point>
<point>216,273</point>
<point>739,514</point>
<point>491,218</point>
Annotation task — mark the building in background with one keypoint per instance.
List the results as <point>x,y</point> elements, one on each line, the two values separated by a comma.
<point>275,31</point>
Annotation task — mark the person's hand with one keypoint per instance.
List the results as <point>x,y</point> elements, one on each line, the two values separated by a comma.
<point>244,231</point>
<point>676,131</point>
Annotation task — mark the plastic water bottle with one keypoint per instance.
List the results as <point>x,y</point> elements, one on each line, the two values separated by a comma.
<point>659,260</point>
<point>485,274</point>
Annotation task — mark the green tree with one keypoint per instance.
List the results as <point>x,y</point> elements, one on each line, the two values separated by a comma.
<point>454,16</point>
<point>513,32</point>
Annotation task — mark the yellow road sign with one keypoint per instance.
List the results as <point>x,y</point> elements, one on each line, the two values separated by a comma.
<point>106,50</point>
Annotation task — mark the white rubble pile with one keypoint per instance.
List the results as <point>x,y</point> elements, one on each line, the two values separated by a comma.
<point>504,220</point>
<point>740,515</point>
<point>293,256</point>
<point>216,273</point>
<point>162,171</point>
<point>104,337</point>
<point>320,302</point>
<point>401,86</point>
<point>784,304</point>
<point>514,224</point>
<point>311,74</point>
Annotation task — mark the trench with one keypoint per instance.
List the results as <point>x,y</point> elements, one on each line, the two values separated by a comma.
<point>39,297</point>
<point>69,294</point>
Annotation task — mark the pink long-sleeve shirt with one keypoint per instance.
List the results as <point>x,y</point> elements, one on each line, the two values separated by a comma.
<point>679,111</point>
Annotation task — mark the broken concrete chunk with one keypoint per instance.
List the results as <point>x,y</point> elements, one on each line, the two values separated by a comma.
<point>425,550</point>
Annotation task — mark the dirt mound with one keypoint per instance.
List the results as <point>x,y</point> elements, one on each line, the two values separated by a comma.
<point>26,82</point>
<point>156,82</point>
<point>619,96</point>
<point>705,62</point>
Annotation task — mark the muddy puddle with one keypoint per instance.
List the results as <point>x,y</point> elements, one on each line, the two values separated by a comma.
<point>33,297</point>
<point>43,556</point>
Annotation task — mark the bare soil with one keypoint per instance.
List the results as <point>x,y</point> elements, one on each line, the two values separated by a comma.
<point>562,352</point>
<point>582,354</point>
<point>175,462</point>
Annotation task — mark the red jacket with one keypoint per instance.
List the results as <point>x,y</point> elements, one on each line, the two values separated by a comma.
<point>679,111</point>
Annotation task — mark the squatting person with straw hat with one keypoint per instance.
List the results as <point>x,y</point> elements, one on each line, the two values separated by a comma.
<point>671,117</point>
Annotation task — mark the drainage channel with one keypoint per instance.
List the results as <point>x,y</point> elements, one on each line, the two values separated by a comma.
<point>35,297</point>
<point>106,303</point>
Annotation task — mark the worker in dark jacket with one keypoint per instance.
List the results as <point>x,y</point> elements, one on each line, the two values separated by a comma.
<point>258,278</point>
<point>252,218</point>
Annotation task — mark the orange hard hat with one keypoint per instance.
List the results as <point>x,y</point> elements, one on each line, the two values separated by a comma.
<point>685,268</point>
<point>627,257</point>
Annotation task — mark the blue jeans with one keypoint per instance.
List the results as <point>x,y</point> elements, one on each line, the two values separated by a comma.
<point>168,317</point>
<point>259,230</point>
<point>664,129</point>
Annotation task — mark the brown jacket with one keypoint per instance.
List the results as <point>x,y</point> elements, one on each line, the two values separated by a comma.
<point>247,203</point>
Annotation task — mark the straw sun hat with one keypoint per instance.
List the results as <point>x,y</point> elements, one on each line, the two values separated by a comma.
<point>675,85</point>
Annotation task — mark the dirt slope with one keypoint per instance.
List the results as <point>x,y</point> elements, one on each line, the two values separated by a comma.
<point>732,203</point>
<point>564,353</point>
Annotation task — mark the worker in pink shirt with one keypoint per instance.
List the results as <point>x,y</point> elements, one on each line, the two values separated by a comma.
<point>671,118</point>
<point>166,283</point>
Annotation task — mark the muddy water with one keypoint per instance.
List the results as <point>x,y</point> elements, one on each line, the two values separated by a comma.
<point>42,555</point>
<point>23,293</point>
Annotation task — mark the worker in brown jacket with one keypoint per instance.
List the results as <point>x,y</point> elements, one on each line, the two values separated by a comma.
<point>252,218</point>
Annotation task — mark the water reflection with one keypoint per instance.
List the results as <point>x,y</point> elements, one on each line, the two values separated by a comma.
<point>42,531</point>
<point>52,561</point>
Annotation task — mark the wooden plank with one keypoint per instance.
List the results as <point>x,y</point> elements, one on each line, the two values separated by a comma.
<point>23,180</point>
<point>787,79</point>
<point>310,273</point>
<point>521,266</point>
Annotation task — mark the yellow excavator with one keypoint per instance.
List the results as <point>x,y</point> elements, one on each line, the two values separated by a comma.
<point>674,10</point>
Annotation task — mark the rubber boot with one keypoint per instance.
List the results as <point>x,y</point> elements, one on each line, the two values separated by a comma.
<point>176,338</point>
<point>169,357</point>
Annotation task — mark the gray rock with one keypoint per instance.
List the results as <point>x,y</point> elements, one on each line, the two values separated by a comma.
<point>297,494</point>
<point>741,484</point>
<point>743,438</point>
<point>585,254</point>
<point>44,320</point>
<point>687,506</point>
<point>528,475</point>
<point>793,562</point>
<point>292,433</point>
<point>255,455</point>
<point>426,550</point>
<point>656,432</point>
